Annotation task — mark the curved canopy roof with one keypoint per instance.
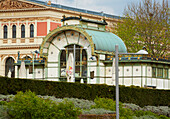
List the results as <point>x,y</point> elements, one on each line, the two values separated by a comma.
<point>100,41</point>
<point>106,41</point>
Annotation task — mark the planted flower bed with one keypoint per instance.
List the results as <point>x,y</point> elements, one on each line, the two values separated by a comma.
<point>72,108</point>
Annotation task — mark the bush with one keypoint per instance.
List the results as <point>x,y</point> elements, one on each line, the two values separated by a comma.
<point>29,106</point>
<point>133,94</point>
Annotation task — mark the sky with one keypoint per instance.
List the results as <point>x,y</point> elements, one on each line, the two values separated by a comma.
<point>114,7</point>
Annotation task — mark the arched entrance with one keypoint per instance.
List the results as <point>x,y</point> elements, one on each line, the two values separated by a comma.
<point>9,67</point>
<point>80,62</point>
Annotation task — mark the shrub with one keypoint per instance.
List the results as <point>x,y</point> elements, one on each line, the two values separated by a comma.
<point>27,105</point>
<point>133,94</point>
<point>105,103</point>
<point>81,103</point>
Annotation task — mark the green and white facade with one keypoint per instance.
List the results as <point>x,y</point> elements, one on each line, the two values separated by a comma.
<point>94,55</point>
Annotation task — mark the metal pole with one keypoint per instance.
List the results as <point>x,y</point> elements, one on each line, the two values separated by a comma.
<point>33,66</point>
<point>74,63</point>
<point>117,82</point>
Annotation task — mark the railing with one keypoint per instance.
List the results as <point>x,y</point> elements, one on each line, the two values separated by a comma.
<point>130,57</point>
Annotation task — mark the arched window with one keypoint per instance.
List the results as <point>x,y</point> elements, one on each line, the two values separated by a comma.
<point>22,31</point>
<point>31,30</point>
<point>80,61</point>
<point>5,31</point>
<point>9,67</point>
<point>14,31</point>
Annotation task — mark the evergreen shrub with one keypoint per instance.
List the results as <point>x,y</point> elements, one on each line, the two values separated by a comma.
<point>135,95</point>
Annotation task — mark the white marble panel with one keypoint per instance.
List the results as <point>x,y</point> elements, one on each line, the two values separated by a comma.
<point>149,81</point>
<point>167,84</point>
<point>127,81</point>
<point>102,70</point>
<point>53,54</point>
<point>60,41</point>
<point>102,81</point>
<point>120,81</point>
<point>72,37</point>
<point>137,81</point>
<point>108,71</point>
<point>83,41</point>
<point>136,70</point>
<point>52,72</point>
<point>52,64</point>
<point>39,73</point>
<point>160,84</point>
<point>149,71</point>
<point>154,82</point>
<point>128,71</point>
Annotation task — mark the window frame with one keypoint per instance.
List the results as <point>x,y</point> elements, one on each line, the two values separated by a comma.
<point>14,31</point>
<point>31,31</point>
<point>5,32</point>
<point>22,31</point>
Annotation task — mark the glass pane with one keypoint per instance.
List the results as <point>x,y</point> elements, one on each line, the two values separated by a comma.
<point>5,31</point>
<point>23,31</point>
<point>160,72</point>
<point>153,72</point>
<point>14,31</point>
<point>165,73</point>
<point>31,30</point>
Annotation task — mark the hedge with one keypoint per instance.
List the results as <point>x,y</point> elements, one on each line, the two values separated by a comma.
<point>135,95</point>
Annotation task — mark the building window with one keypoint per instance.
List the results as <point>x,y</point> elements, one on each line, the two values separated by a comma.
<point>9,67</point>
<point>22,31</point>
<point>14,31</point>
<point>5,32</point>
<point>31,30</point>
<point>153,71</point>
<point>80,61</point>
<point>165,73</point>
<point>160,72</point>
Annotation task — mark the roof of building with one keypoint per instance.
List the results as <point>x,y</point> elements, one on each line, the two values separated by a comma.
<point>106,41</point>
<point>142,52</point>
<point>76,9</point>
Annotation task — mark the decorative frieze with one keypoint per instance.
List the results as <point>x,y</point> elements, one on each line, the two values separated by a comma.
<point>13,4</point>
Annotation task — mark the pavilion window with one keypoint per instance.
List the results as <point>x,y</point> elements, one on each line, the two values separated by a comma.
<point>14,31</point>
<point>22,31</point>
<point>153,71</point>
<point>80,61</point>
<point>165,73</point>
<point>160,72</point>
<point>5,32</point>
<point>31,30</point>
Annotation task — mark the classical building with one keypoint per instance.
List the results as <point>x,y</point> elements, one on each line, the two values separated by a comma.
<point>49,44</point>
<point>24,24</point>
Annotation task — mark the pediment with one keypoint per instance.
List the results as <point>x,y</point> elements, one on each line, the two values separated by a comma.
<point>16,4</point>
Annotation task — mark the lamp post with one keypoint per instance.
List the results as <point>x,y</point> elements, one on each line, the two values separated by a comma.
<point>117,81</point>
<point>115,73</point>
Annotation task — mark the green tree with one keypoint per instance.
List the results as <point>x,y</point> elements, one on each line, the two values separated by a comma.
<point>146,24</point>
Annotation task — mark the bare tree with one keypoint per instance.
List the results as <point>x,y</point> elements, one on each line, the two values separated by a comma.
<point>146,24</point>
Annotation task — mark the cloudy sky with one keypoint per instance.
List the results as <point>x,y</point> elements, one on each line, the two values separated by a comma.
<point>114,7</point>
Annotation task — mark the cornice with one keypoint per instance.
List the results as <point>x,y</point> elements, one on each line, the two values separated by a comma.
<point>19,47</point>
